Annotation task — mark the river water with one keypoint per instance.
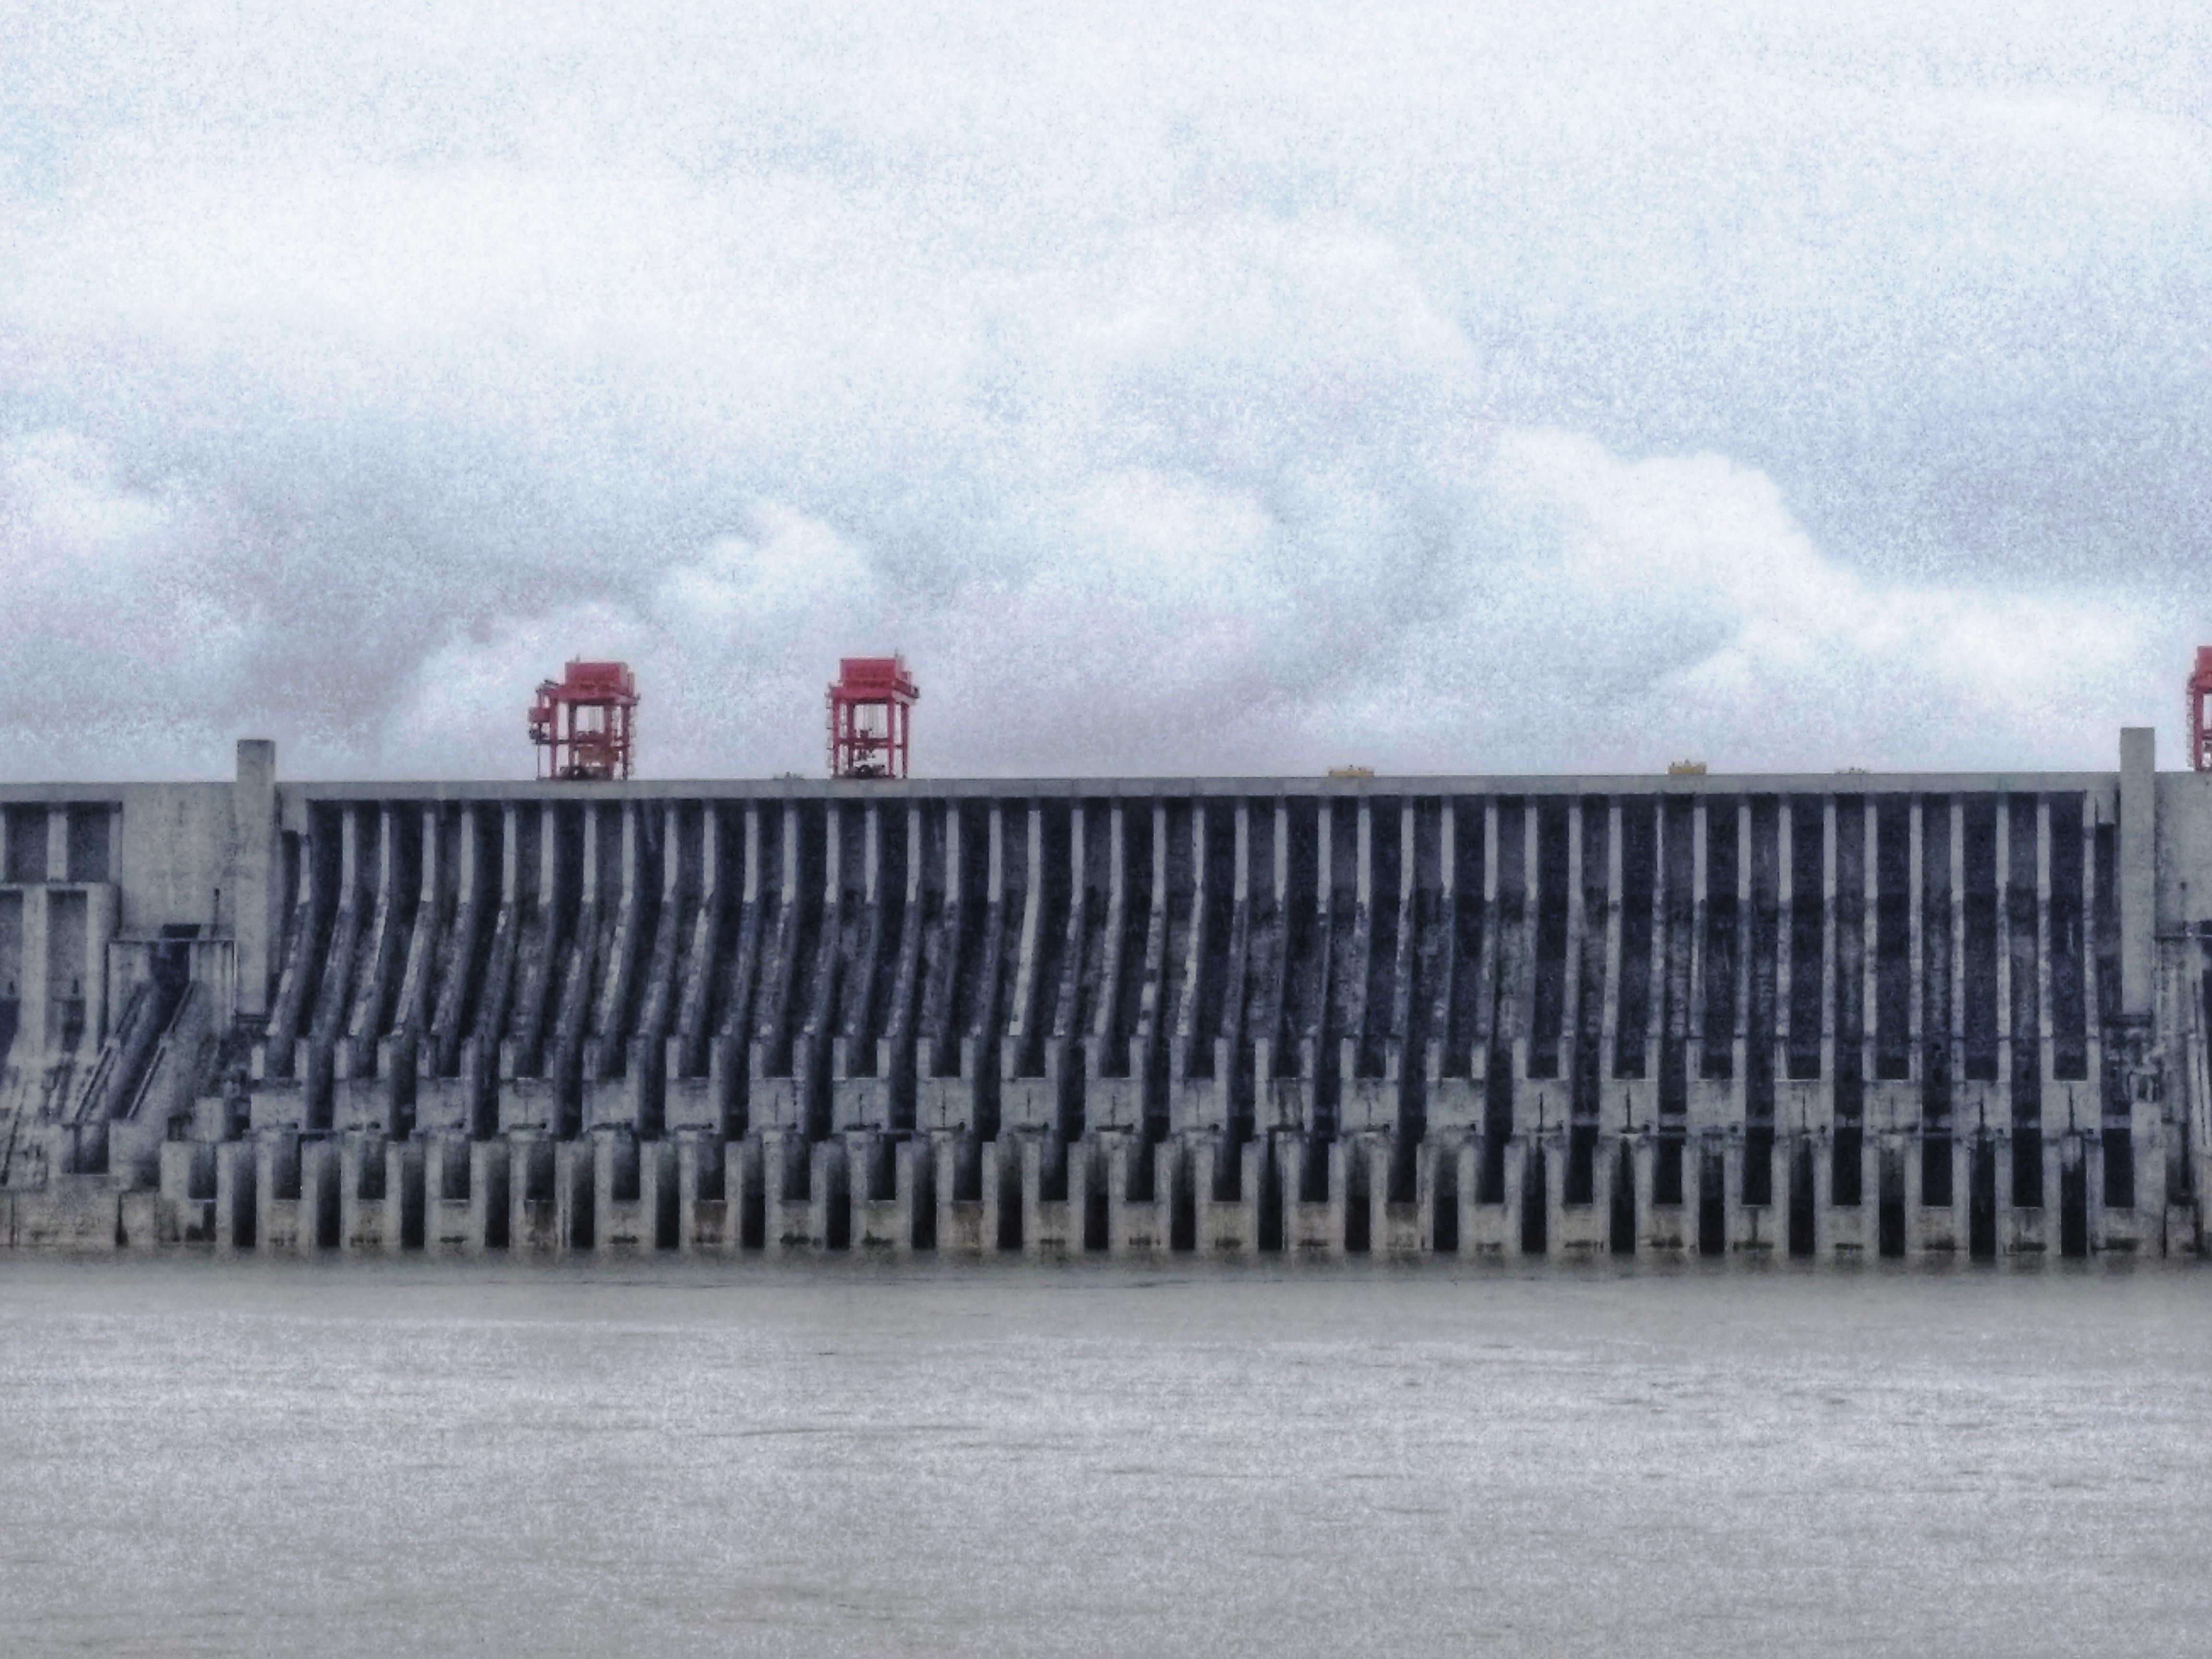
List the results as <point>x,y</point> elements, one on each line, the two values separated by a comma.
<point>201,1457</point>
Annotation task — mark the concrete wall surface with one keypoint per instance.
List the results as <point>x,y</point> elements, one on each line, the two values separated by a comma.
<point>1836,1017</point>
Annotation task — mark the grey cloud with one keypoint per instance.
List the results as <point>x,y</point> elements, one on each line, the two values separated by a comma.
<point>1432,387</point>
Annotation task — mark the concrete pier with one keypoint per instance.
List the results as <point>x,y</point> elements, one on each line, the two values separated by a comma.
<point>1749,1017</point>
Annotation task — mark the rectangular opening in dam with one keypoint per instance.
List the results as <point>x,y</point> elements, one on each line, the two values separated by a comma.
<point>1590,986</point>
<point>1580,1185</point>
<point>1638,838</point>
<point>1763,931</point>
<point>86,843</point>
<point>1938,1004</point>
<point>1622,1232</point>
<point>969,924</point>
<point>1026,895</point>
<point>1807,859</point>
<point>2027,1167</point>
<point>1378,973</point>
<point>1466,1018</point>
<point>1548,997</point>
<point>11,968</point>
<point>1847,1180</point>
<point>1427,959</point>
<point>1712,1201</point>
<point>1506,994</point>
<point>1534,1209</point>
<point>2119,1167</point>
<point>1890,1194</point>
<point>2073,1202</point>
<point>311,943</point>
<point>1215,920</point>
<point>1134,964</point>
<point>1979,908</point>
<point>2024,962</point>
<point>1090,905</point>
<point>1892,938</point>
<point>1982,1200</point>
<point>1343,981</point>
<point>572,937</point>
<point>1758,1163</point>
<point>874,985</point>
<point>26,832</point>
<point>1848,970</point>
<point>1803,1198</point>
<point>1668,1153</point>
<point>2069,1052</point>
<point>2104,902</point>
<point>1936,1161</point>
<point>1678,906</point>
<point>1497,1126</point>
<point>524,920</point>
<point>1304,934</point>
<point>1716,1047</point>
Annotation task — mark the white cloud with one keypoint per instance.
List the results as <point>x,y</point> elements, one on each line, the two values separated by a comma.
<point>119,659</point>
<point>1580,609</point>
<point>1180,390</point>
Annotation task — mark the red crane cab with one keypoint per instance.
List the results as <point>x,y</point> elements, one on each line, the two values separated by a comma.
<point>583,723</point>
<point>871,717</point>
<point>2200,712</point>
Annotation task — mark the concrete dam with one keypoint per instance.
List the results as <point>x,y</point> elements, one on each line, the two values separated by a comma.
<point>1831,1016</point>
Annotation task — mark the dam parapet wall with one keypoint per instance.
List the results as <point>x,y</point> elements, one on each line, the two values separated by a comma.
<point>1830,1015</point>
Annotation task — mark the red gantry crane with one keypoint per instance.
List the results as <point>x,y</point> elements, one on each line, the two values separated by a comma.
<point>2200,712</point>
<point>583,723</point>
<point>870,717</point>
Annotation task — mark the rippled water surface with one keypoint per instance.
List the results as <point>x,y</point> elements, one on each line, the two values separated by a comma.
<point>430,1458</point>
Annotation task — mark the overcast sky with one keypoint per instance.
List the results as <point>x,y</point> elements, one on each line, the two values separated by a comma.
<point>1183,388</point>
